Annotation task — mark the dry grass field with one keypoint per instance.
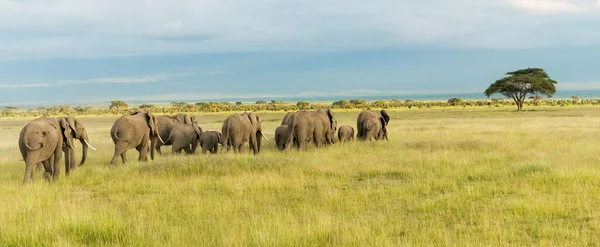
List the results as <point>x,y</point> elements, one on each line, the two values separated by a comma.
<point>464,177</point>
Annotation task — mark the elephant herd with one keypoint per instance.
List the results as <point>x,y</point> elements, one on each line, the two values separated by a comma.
<point>44,140</point>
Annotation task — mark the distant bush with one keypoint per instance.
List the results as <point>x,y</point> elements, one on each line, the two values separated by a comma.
<point>455,101</point>
<point>120,107</point>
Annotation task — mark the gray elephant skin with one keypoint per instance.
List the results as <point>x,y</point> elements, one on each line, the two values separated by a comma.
<point>281,136</point>
<point>135,131</point>
<point>287,118</point>
<point>345,133</point>
<point>307,126</point>
<point>375,129</point>
<point>209,141</point>
<point>364,116</point>
<point>185,137</point>
<point>241,128</point>
<point>44,139</point>
<point>166,124</point>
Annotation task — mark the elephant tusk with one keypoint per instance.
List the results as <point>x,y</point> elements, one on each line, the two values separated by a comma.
<point>161,140</point>
<point>263,135</point>
<point>88,144</point>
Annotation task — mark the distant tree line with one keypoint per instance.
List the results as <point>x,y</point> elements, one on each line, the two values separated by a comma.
<point>120,107</point>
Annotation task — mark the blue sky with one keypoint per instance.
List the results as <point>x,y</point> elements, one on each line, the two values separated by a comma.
<point>73,52</point>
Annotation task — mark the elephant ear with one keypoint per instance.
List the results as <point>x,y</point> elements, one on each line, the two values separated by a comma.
<point>151,119</point>
<point>331,120</point>
<point>197,129</point>
<point>189,119</point>
<point>253,118</point>
<point>385,116</point>
<point>383,123</point>
<point>218,137</point>
<point>66,130</point>
<point>72,125</point>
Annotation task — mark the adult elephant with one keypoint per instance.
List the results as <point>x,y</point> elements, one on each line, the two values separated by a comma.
<point>241,128</point>
<point>167,122</point>
<point>186,118</point>
<point>364,116</point>
<point>43,139</point>
<point>374,129</point>
<point>306,126</point>
<point>287,118</point>
<point>185,137</point>
<point>135,131</point>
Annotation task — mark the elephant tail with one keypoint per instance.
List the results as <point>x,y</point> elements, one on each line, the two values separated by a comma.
<point>34,149</point>
<point>225,135</point>
<point>115,134</point>
<point>292,129</point>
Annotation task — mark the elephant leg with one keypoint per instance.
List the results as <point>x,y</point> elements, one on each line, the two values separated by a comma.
<point>216,149</point>
<point>143,150</point>
<point>47,168</point>
<point>56,165</point>
<point>204,149</point>
<point>68,159</point>
<point>39,167</point>
<point>187,150</point>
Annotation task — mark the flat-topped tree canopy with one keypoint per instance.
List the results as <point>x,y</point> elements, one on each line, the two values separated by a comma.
<point>518,84</point>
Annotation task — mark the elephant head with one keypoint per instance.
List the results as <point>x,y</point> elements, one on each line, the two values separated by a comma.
<point>198,130</point>
<point>385,116</point>
<point>384,133</point>
<point>218,137</point>
<point>79,132</point>
<point>186,118</point>
<point>154,132</point>
<point>66,130</point>
<point>256,124</point>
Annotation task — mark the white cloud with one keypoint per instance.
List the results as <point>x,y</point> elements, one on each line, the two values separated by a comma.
<point>556,6</point>
<point>71,28</point>
<point>121,80</point>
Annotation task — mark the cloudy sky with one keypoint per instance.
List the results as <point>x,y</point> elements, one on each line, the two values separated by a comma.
<point>72,51</point>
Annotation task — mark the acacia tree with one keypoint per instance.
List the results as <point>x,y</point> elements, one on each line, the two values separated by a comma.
<point>518,84</point>
<point>118,105</point>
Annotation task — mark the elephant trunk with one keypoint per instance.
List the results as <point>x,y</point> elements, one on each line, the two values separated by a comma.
<point>259,136</point>
<point>84,147</point>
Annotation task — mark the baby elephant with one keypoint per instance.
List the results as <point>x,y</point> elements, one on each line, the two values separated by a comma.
<point>210,140</point>
<point>185,137</point>
<point>346,133</point>
<point>281,136</point>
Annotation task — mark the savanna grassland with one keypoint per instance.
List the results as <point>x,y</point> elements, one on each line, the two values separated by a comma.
<point>485,176</point>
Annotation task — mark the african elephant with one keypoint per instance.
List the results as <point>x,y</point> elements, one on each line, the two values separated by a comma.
<point>241,128</point>
<point>306,126</point>
<point>135,131</point>
<point>209,141</point>
<point>167,122</point>
<point>78,132</point>
<point>366,115</point>
<point>346,133</point>
<point>287,118</point>
<point>281,136</point>
<point>375,128</point>
<point>185,137</point>
<point>186,118</point>
<point>42,140</point>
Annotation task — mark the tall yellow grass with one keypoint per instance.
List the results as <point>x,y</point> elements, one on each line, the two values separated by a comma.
<point>447,177</point>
